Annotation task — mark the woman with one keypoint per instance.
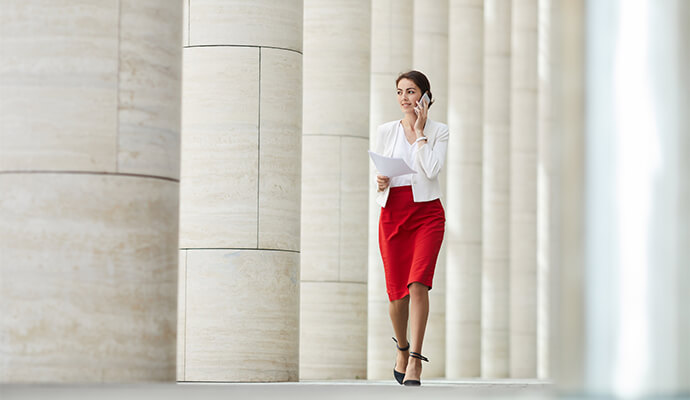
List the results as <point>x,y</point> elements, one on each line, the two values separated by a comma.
<point>412,219</point>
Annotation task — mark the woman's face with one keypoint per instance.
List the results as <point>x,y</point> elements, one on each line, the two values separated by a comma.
<point>408,95</point>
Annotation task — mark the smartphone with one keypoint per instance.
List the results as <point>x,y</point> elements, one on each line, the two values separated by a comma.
<point>425,97</point>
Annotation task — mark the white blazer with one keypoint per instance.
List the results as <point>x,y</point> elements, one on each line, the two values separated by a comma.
<point>428,161</point>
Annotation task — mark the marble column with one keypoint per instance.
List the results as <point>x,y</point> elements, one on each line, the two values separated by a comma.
<point>567,209</point>
<point>240,191</point>
<point>464,210</point>
<point>637,197</point>
<point>544,177</point>
<point>430,56</point>
<point>335,184</point>
<point>89,183</point>
<point>523,190</point>
<point>391,44</point>
<point>496,190</point>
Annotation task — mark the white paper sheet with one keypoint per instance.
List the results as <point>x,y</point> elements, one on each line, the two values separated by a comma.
<point>390,167</point>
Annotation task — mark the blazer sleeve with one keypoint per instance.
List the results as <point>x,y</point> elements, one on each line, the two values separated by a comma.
<point>377,147</point>
<point>431,159</point>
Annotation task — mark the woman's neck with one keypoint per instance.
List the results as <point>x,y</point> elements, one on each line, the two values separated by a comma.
<point>409,119</point>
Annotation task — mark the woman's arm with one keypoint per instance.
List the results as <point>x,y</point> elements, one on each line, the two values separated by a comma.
<point>431,160</point>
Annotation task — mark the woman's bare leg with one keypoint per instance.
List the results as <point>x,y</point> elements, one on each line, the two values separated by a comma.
<point>399,312</point>
<point>419,313</point>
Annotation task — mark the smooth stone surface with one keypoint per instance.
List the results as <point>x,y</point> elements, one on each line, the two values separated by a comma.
<point>333,333</point>
<point>220,148</point>
<point>379,328</point>
<point>280,149</point>
<point>380,348</point>
<point>496,190</point>
<point>270,23</point>
<point>337,66</point>
<point>568,358</point>
<point>354,196</point>
<point>59,86</point>
<point>181,314</point>
<point>185,23</point>
<point>467,227</point>
<point>321,172</point>
<point>544,192</point>
<point>384,103</point>
<point>88,278</point>
<point>336,86</point>
<point>435,337</point>
<point>523,190</point>
<point>149,88</point>
<point>463,309</point>
<point>464,186</point>
<point>242,316</point>
<point>430,51</point>
<point>391,49</point>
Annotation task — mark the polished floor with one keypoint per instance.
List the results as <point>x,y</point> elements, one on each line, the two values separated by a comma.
<point>307,390</point>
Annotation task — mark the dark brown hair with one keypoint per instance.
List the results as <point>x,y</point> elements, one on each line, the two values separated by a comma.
<point>420,80</point>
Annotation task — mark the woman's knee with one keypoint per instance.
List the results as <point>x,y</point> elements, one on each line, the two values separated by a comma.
<point>418,289</point>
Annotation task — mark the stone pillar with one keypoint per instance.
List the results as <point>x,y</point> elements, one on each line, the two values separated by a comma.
<point>240,192</point>
<point>637,196</point>
<point>89,183</point>
<point>544,176</point>
<point>464,210</point>
<point>430,55</point>
<point>567,156</point>
<point>496,190</point>
<point>622,220</point>
<point>523,190</point>
<point>335,184</point>
<point>391,44</point>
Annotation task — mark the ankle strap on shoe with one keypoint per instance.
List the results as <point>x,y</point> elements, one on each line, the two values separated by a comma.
<point>419,356</point>
<point>400,348</point>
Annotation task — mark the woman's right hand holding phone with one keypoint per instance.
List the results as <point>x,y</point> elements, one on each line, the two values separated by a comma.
<point>383,182</point>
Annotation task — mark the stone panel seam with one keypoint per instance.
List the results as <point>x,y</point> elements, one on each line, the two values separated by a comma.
<point>258,160</point>
<point>238,248</point>
<point>243,45</point>
<point>164,178</point>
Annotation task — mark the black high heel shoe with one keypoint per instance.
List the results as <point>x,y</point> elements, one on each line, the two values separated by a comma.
<point>413,382</point>
<point>399,376</point>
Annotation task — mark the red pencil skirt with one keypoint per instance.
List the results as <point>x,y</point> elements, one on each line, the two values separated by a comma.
<point>410,236</point>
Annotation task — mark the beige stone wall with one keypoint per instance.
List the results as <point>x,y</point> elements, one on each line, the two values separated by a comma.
<point>89,172</point>
<point>240,191</point>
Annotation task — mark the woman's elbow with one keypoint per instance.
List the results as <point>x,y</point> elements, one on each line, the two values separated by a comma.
<point>432,172</point>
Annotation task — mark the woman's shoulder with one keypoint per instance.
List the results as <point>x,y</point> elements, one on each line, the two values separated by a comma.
<point>387,126</point>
